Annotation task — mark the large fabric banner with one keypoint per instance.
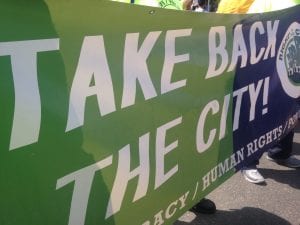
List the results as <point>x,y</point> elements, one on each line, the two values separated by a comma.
<point>122,114</point>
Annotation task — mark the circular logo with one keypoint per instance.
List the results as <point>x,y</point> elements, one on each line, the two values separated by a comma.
<point>288,61</point>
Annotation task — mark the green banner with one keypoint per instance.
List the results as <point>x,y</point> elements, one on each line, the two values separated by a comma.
<point>114,113</point>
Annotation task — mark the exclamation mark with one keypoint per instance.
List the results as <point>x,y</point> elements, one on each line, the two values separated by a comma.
<point>266,94</point>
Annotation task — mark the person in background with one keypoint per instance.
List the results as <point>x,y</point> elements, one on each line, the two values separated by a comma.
<point>234,6</point>
<point>280,153</point>
<point>205,205</point>
<point>187,4</point>
<point>167,4</point>
<point>194,5</point>
<point>260,6</point>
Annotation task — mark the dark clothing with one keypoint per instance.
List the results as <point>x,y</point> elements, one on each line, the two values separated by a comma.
<point>286,146</point>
